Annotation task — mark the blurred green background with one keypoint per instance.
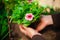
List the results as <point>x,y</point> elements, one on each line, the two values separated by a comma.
<point>3,22</point>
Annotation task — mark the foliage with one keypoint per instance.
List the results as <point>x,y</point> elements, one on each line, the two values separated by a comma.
<point>18,9</point>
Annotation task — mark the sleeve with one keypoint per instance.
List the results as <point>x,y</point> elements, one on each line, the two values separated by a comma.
<point>37,37</point>
<point>56,19</point>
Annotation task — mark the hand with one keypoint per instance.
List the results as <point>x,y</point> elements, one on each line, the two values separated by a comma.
<point>28,31</point>
<point>45,20</point>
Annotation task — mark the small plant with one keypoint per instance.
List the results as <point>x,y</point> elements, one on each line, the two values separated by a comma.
<point>24,12</point>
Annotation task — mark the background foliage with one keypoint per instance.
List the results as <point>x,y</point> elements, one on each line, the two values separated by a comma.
<point>3,21</point>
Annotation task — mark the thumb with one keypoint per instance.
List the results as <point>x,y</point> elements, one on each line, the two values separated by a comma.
<point>22,29</point>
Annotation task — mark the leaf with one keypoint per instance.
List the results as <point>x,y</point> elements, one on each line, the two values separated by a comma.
<point>4,28</point>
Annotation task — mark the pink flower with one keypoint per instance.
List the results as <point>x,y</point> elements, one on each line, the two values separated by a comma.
<point>29,16</point>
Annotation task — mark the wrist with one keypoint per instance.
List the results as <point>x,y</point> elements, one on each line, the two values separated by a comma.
<point>35,34</point>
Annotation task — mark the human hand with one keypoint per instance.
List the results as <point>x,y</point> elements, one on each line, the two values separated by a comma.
<point>45,20</point>
<point>28,31</point>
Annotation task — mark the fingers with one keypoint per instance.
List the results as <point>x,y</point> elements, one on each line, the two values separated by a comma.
<point>23,29</point>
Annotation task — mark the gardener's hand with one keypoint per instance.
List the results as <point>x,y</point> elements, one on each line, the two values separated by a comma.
<point>28,31</point>
<point>45,20</point>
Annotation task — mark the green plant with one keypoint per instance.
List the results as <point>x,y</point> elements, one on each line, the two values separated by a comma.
<point>18,9</point>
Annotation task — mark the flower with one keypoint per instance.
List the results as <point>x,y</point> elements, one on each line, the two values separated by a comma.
<point>29,16</point>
